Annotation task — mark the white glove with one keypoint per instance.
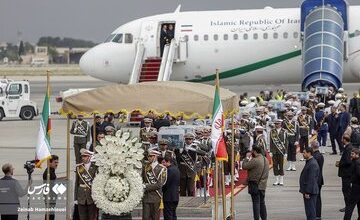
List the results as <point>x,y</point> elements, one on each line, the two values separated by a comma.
<point>271,154</point>
<point>296,143</point>
<point>88,145</point>
<point>75,202</point>
<point>285,155</point>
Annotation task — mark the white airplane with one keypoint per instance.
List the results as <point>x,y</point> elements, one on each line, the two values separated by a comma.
<point>261,46</point>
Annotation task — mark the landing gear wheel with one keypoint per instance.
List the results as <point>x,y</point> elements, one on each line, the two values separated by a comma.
<point>2,114</point>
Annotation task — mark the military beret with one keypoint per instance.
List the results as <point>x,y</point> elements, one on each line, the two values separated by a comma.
<point>147,120</point>
<point>153,152</point>
<point>85,152</point>
<point>277,121</point>
<point>163,141</point>
<point>320,105</point>
<point>354,120</point>
<point>152,134</point>
<point>189,135</point>
<point>109,128</point>
<point>331,102</point>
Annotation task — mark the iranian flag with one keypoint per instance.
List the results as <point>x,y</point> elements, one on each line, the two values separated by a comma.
<point>43,147</point>
<point>217,128</point>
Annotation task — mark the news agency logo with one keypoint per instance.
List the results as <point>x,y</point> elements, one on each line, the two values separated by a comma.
<point>44,189</point>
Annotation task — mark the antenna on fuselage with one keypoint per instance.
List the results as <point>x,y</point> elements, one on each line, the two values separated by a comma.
<point>177,10</point>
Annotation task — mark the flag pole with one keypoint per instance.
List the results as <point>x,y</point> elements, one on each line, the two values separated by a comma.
<point>216,175</point>
<point>68,167</point>
<point>232,211</point>
<point>48,160</point>
<point>222,164</point>
<point>94,133</point>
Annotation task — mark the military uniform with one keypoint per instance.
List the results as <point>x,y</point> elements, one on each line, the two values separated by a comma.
<point>144,133</point>
<point>305,126</point>
<point>260,142</point>
<point>292,130</point>
<point>187,157</point>
<point>278,149</point>
<point>84,177</point>
<point>81,133</point>
<point>154,176</point>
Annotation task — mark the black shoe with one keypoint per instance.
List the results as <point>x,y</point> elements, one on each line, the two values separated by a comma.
<point>342,210</point>
<point>333,153</point>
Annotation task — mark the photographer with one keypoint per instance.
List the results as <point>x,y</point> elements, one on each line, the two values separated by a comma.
<point>10,192</point>
<point>258,171</point>
<point>53,164</point>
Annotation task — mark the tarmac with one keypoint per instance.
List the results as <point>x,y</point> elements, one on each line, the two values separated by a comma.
<point>18,140</point>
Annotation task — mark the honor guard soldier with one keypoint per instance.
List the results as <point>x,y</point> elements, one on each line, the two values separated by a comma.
<point>152,139</point>
<point>85,173</point>
<point>278,149</point>
<point>305,126</point>
<point>154,176</point>
<point>260,140</point>
<point>164,151</point>
<point>146,129</point>
<point>81,133</point>
<point>292,129</point>
<point>321,126</point>
<point>187,157</point>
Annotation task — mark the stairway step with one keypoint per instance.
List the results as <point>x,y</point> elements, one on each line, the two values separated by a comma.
<point>151,65</point>
<point>149,72</point>
<point>148,77</point>
<point>147,80</point>
<point>145,68</point>
<point>155,60</point>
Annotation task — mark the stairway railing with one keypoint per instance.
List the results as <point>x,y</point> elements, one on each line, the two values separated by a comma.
<point>135,73</point>
<point>163,62</point>
<point>167,61</point>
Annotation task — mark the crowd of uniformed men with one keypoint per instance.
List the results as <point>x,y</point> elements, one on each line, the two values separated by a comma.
<point>278,129</point>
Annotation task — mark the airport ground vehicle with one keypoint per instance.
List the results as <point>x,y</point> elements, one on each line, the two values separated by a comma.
<point>15,101</point>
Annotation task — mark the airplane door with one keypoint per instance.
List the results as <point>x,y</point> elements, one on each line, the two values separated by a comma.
<point>149,36</point>
<point>182,50</point>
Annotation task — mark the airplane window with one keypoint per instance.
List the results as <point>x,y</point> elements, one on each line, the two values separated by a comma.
<point>109,38</point>
<point>236,36</point>
<point>276,35</point>
<point>226,37</point>
<point>26,89</point>
<point>118,38</point>
<point>296,35</point>
<point>196,37</point>
<point>255,36</point>
<point>245,36</point>
<point>285,35</point>
<point>216,37</point>
<point>128,38</point>
<point>206,37</point>
<point>265,35</point>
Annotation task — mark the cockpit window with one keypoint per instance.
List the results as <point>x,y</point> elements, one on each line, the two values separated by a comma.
<point>109,38</point>
<point>128,38</point>
<point>118,38</point>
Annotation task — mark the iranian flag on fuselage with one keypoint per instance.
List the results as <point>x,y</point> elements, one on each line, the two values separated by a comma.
<point>217,128</point>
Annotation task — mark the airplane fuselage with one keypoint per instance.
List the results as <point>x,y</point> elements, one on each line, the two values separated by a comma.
<point>260,46</point>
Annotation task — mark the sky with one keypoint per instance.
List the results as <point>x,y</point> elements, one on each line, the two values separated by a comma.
<point>94,20</point>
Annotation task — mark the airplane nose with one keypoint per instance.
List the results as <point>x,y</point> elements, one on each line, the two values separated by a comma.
<point>87,62</point>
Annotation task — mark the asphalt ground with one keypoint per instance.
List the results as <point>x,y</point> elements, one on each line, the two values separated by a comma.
<point>18,140</point>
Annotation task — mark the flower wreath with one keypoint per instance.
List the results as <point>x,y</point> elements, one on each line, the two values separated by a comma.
<point>118,187</point>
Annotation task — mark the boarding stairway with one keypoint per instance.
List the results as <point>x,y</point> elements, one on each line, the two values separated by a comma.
<point>324,27</point>
<point>153,68</point>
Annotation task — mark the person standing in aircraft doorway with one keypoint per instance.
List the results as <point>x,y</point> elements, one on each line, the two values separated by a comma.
<point>170,34</point>
<point>163,37</point>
